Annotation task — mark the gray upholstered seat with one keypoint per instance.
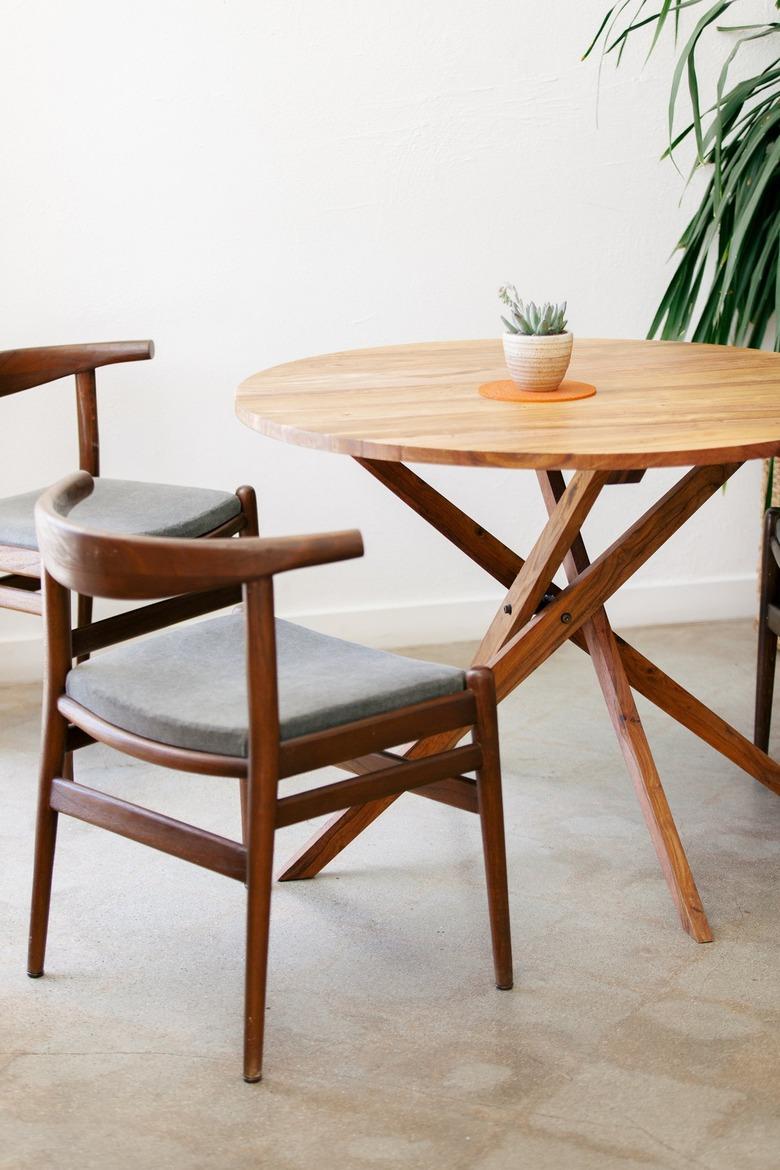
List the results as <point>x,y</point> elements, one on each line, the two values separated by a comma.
<point>127,507</point>
<point>187,686</point>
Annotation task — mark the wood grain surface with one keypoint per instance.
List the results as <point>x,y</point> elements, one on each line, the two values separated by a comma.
<point>659,404</point>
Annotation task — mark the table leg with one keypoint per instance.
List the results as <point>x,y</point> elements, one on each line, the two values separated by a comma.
<point>649,680</point>
<point>631,736</point>
<point>605,656</point>
<point>328,842</point>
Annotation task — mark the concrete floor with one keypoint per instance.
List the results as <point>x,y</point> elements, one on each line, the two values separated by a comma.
<point>624,1044</point>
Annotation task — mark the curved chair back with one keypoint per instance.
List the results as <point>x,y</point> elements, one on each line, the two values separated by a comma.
<point>100,564</point>
<point>20,369</point>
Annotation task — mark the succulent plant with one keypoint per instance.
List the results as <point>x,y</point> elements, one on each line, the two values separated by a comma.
<point>532,319</point>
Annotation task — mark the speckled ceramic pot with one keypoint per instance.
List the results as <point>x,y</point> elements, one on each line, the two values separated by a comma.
<point>537,363</point>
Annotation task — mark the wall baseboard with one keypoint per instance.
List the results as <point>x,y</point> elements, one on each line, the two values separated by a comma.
<point>432,623</point>
<point>656,603</point>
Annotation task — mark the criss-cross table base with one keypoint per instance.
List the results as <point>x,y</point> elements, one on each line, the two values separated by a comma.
<point>535,618</point>
<point>658,404</point>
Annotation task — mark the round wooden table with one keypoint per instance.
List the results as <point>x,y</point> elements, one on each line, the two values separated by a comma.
<point>658,404</point>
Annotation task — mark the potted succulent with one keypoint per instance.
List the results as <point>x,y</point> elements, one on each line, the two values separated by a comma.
<point>537,346</point>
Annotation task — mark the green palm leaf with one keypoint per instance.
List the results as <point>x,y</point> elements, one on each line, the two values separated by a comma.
<point>726,286</point>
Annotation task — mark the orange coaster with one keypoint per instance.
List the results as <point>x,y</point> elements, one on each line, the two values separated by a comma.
<point>508,391</point>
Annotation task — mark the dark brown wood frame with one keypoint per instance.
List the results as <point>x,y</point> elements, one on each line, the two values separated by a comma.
<point>537,617</point>
<point>768,629</point>
<point>22,369</point>
<point>213,573</point>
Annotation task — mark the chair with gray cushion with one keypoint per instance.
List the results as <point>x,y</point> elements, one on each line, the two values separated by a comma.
<point>247,696</point>
<point>124,506</point>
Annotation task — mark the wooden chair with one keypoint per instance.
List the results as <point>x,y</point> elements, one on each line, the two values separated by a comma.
<point>254,698</point>
<point>118,505</point>
<point>768,628</point>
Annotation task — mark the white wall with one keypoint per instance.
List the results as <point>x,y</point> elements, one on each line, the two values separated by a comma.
<point>248,183</point>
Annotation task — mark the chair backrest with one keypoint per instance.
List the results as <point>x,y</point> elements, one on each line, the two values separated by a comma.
<point>21,369</point>
<point>100,564</point>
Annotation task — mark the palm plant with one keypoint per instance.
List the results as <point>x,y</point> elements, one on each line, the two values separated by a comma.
<point>726,286</point>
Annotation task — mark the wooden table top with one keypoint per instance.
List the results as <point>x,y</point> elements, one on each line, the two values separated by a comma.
<point>658,404</point>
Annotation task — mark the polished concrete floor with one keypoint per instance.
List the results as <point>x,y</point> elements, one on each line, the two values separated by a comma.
<point>624,1044</point>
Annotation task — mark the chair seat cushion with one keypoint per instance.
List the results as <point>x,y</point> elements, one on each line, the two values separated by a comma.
<point>187,686</point>
<point>127,507</point>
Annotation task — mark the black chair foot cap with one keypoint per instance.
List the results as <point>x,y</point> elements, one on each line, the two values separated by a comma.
<point>505,986</point>
<point>253,1080</point>
<point>34,974</point>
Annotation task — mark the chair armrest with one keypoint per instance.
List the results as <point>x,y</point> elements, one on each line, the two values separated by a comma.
<point>21,369</point>
<point>265,556</point>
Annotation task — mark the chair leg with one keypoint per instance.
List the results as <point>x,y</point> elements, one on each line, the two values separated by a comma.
<point>52,764</point>
<point>491,812</point>
<point>259,885</point>
<point>84,606</point>
<point>767,640</point>
<point>248,500</point>
<point>765,684</point>
<point>243,796</point>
